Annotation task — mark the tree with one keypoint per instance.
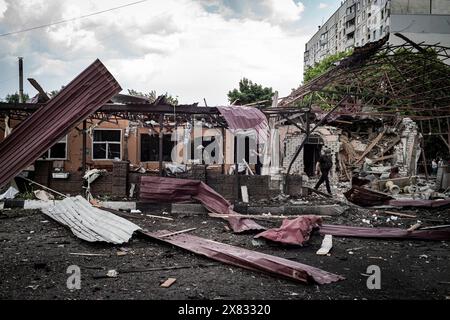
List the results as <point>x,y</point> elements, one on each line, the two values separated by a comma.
<point>14,98</point>
<point>152,96</point>
<point>250,92</point>
<point>322,66</point>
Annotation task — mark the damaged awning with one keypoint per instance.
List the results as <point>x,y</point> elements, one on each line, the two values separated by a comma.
<point>157,189</point>
<point>80,98</point>
<point>246,118</point>
<point>247,259</point>
<point>90,223</point>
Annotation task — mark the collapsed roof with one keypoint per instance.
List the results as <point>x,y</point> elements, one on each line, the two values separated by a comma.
<point>411,80</point>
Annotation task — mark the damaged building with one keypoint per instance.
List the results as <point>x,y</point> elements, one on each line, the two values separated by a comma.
<point>141,175</point>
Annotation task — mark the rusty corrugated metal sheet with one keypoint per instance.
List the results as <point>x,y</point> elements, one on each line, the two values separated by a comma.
<point>245,118</point>
<point>157,189</point>
<point>90,223</point>
<point>385,233</point>
<point>247,259</point>
<point>80,98</point>
<point>293,231</point>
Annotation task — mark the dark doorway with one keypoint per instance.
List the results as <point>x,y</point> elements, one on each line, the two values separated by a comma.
<point>311,154</point>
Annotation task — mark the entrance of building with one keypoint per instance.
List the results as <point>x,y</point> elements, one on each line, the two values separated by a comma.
<point>311,154</point>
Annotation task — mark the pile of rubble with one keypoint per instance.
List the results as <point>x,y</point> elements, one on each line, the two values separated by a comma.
<point>390,151</point>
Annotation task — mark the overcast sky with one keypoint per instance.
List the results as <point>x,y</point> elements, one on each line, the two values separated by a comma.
<point>192,49</point>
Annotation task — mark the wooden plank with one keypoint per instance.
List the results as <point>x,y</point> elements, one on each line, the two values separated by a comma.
<point>398,214</point>
<point>159,217</point>
<point>371,146</point>
<point>383,158</point>
<point>414,227</point>
<point>178,232</point>
<point>169,282</point>
<point>393,144</point>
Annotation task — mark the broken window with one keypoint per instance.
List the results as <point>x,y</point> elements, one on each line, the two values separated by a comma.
<point>150,147</point>
<point>58,151</point>
<point>106,144</point>
<point>245,148</point>
<point>206,149</point>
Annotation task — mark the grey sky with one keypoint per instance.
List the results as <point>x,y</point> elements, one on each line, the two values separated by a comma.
<point>194,49</point>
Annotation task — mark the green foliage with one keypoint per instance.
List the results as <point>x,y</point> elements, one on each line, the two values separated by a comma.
<point>152,96</point>
<point>250,92</point>
<point>28,195</point>
<point>14,98</point>
<point>324,65</point>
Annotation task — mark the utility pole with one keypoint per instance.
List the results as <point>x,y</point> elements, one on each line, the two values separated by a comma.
<point>21,80</point>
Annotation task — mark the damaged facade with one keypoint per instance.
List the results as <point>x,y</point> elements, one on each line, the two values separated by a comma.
<point>155,153</point>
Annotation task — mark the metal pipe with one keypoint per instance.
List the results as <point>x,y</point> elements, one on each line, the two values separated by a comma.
<point>21,100</point>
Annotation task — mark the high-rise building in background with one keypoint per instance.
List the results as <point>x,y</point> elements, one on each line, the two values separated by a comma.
<point>358,22</point>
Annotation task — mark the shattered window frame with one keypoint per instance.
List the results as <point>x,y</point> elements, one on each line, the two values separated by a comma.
<point>106,143</point>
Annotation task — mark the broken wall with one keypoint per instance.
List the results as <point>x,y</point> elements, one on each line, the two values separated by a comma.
<point>293,139</point>
<point>407,152</point>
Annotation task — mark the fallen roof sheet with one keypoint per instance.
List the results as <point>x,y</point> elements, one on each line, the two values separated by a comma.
<point>293,231</point>
<point>247,259</point>
<point>245,118</point>
<point>367,198</point>
<point>385,233</point>
<point>90,223</point>
<point>80,98</point>
<point>159,189</point>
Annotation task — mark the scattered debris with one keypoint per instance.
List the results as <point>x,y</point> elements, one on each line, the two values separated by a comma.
<point>43,195</point>
<point>168,283</point>
<point>179,190</point>
<point>88,254</point>
<point>33,287</point>
<point>327,244</point>
<point>158,217</point>
<point>112,274</point>
<point>367,198</point>
<point>9,194</point>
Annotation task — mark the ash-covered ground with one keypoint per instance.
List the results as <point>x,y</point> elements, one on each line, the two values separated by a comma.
<point>35,253</point>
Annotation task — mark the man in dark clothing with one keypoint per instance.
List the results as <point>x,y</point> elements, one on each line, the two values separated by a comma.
<point>325,163</point>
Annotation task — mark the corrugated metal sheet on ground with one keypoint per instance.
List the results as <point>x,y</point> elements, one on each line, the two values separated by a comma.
<point>90,223</point>
<point>293,231</point>
<point>247,259</point>
<point>80,98</point>
<point>385,233</point>
<point>157,189</point>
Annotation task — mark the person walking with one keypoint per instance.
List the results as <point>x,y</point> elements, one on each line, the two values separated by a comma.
<point>324,166</point>
<point>434,167</point>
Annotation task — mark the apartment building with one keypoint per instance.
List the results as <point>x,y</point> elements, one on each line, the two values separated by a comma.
<point>358,22</point>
